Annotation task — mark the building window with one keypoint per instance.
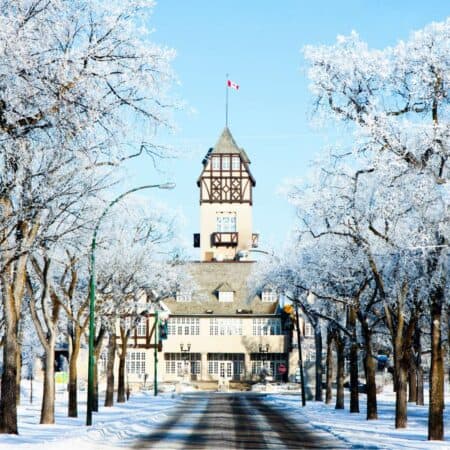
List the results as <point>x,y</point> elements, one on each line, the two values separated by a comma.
<point>181,363</point>
<point>183,326</point>
<point>235,163</point>
<point>141,328</point>
<point>216,163</point>
<point>184,296</point>
<point>269,296</point>
<point>229,365</point>
<point>225,327</point>
<point>266,327</point>
<point>226,296</point>
<point>226,224</point>
<point>309,332</point>
<point>225,163</point>
<point>136,363</point>
<point>270,361</point>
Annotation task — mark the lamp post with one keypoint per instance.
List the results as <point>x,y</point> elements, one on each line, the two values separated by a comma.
<point>185,351</point>
<point>90,392</point>
<point>155,355</point>
<point>300,357</point>
<point>263,349</point>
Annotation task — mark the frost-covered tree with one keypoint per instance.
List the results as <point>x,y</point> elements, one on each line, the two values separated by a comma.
<point>73,74</point>
<point>135,273</point>
<point>396,103</point>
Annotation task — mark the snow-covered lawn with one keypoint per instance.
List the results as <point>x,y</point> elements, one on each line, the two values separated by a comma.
<point>112,427</point>
<point>119,426</point>
<point>363,434</point>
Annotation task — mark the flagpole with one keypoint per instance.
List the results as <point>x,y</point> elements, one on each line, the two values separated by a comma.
<point>226,102</point>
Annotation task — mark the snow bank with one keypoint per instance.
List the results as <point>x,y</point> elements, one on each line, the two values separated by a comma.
<point>113,428</point>
<point>357,432</point>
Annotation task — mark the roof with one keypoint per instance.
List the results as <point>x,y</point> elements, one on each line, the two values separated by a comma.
<point>227,144</point>
<point>209,277</point>
<point>224,287</point>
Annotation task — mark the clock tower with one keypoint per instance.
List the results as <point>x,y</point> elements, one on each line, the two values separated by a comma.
<point>226,201</point>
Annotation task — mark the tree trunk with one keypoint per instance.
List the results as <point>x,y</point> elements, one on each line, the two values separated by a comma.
<point>12,284</point>
<point>318,362</point>
<point>109,396</point>
<point>8,401</point>
<point>95,399</point>
<point>420,399</point>
<point>329,368</point>
<point>340,371</point>
<point>73,372</point>
<point>121,379</point>
<point>412,380</point>
<point>19,369</point>
<point>97,351</point>
<point>401,412</point>
<point>436,408</point>
<point>418,352</point>
<point>354,389</point>
<point>369,369</point>
<point>48,395</point>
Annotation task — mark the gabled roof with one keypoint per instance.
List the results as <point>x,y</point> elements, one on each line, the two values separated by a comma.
<point>224,287</point>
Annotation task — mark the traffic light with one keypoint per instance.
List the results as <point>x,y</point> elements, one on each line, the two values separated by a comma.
<point>163,330</point>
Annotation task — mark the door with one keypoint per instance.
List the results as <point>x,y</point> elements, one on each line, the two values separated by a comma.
<point>226,369</point>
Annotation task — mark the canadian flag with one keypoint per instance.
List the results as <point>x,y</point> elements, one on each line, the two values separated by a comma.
<point>233,85</point>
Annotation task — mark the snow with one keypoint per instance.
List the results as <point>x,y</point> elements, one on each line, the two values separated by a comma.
<point>112,428</point>
<point>118,427</point>
<point>359,433</point>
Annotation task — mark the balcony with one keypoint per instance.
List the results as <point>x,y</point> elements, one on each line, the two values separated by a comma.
<point>224,239</point>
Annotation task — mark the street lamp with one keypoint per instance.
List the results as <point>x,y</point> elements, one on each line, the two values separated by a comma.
<point>185,349</point>
<point>264,349</point>
<point>90,392</point>
<point>300,356</point>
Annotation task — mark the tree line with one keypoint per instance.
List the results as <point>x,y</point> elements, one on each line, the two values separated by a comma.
<point>75,78</point>
<point>368,260</point>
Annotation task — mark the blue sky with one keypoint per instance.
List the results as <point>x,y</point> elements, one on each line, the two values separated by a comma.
<point>259,44</point>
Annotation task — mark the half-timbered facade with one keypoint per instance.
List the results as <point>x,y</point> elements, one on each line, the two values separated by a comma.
<point>226,198</point>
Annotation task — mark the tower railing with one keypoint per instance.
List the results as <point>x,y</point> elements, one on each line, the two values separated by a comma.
<point>225,238</point>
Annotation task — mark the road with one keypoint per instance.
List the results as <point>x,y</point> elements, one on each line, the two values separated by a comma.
<point>234,421</point>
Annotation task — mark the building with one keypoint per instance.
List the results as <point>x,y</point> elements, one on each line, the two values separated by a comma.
<point>220,330</point>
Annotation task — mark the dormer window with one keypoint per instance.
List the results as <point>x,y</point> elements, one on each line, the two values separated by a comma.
<point>184,296</point>
<point>226,296</point>
<point>269,295</point>
<point>225,293</point>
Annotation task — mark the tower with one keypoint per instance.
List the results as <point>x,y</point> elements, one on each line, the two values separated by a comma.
<point>226,201</point>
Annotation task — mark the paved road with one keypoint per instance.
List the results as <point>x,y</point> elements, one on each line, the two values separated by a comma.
<point>234,421</point>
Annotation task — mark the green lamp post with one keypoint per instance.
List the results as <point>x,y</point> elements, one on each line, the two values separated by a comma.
<point>90,392</point>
